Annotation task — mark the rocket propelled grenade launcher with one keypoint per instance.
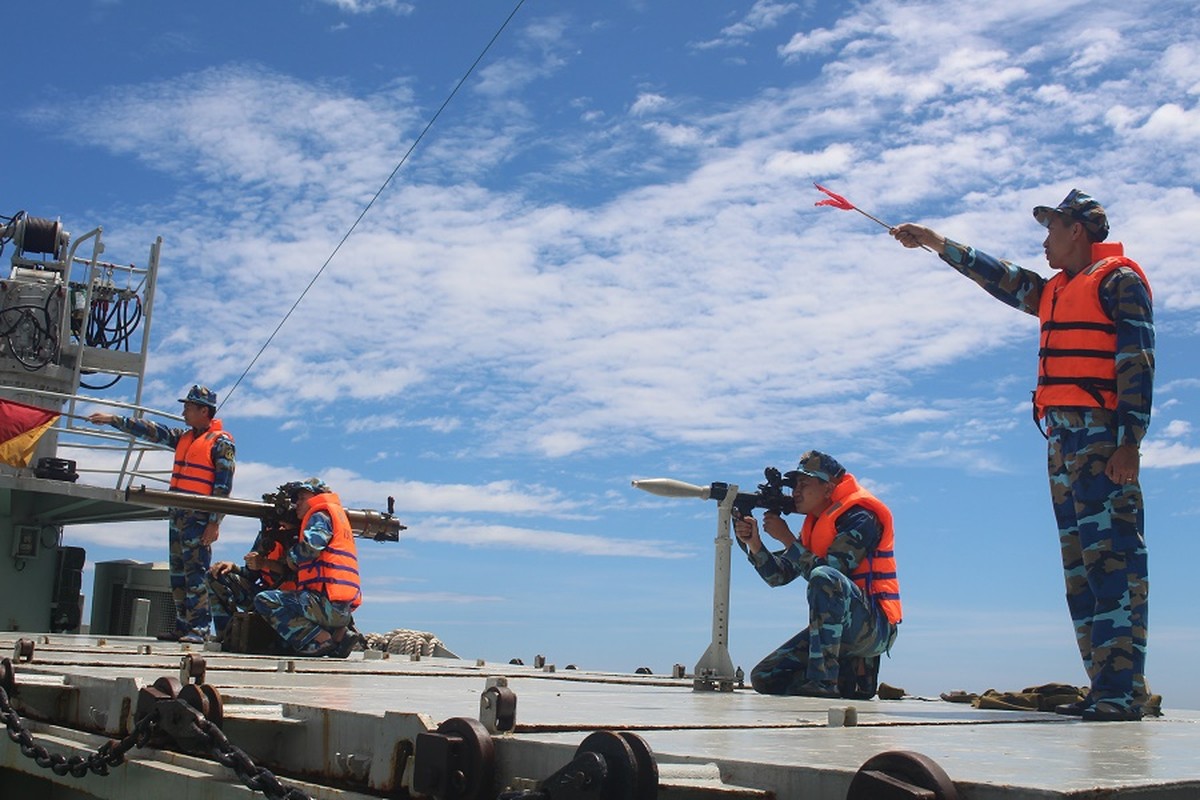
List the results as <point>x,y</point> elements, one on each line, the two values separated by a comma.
<point>770,494</point>
<point>275,508</point>
<point>715,670</point>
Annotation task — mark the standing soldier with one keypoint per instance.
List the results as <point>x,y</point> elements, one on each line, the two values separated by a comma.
<point>204,464</point>
<point>1095,376</point>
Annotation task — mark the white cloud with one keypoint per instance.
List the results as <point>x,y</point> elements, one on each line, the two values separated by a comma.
<point>819,40</point>
<point>368,6</point>
<point>1096,49</point>
<point>561,443</point>
<point>834,159</point>
<point>763,15</point>
<point>1167,446</point>
<point>972,69</point>
<point>1175,429</point>
<point>256,129</point>
<point>1171,121</point>
<point>1180,64</point>
<point>917,415</point>
<point>676,135</point>
<point>474,535</point>
<point>1168,454</point>
<point>560,329</point>
<point>647,102</point>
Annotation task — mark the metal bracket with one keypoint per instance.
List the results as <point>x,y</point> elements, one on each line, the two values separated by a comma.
<point>901,775</point>
<point>606,766</point>
<point>498,706</point>
<point>192,669</point>
<point>456,762</point>
<point>179,707</point>
<point>205,699</point>
<point>23,650</point>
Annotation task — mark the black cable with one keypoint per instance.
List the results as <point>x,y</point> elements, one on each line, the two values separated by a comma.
<point>101,387</point>
<point>43,339</point>
<point>111,322</point>
<point>12,230</point>
<point>376,196</point>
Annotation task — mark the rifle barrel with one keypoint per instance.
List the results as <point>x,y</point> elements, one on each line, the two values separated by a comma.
<point>364,522</point>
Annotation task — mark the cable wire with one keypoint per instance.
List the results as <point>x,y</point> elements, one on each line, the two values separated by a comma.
<point>375,197</point>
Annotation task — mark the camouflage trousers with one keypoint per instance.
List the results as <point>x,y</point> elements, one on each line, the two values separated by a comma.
<point>1100,525</point>
<point>232,592</point>
<point>298,616</point>
<point>188,563</point>
<point>842,622</point>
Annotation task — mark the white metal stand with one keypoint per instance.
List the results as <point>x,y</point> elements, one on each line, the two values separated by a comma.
<point>714,671</point>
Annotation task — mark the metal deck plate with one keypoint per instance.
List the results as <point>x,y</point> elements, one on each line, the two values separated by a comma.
<point>780,745</point>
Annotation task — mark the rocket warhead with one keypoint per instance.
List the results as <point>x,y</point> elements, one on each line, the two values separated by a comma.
<point>669,487</point>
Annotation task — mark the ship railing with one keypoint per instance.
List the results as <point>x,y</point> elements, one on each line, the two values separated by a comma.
<point>104,451</point>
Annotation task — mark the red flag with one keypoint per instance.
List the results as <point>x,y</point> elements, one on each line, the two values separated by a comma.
<point>20,428</point>
<point>836,200</point>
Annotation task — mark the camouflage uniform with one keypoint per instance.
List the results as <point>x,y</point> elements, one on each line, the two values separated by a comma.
<point>298,616</point>
<point>235,590</point>
<point>188,560</point>
<point>843,621</point>
<point>1100,522</point>
<point>230,593</point>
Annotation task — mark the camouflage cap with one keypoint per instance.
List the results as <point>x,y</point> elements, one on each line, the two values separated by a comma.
<point>314,485</point>
<point>1081,207</point>
<point>818,465</point>
<point>201,395</point>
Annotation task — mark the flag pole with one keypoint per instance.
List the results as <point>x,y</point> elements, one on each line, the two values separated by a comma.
<point>872,218</point>
<point>839,202</point>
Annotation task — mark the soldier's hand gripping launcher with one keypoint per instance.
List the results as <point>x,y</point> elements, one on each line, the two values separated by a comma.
<point>276,511</point>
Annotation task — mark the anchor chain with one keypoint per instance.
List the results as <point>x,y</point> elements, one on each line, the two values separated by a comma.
<point>161,714</point>
<point>110,754</point>
<point>258,779</point>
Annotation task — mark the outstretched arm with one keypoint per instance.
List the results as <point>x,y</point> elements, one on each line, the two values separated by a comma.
<point>139,428</point>
<point>1015,286</point>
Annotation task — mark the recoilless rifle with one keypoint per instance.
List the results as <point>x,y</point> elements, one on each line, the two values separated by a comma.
<point>277,511</point>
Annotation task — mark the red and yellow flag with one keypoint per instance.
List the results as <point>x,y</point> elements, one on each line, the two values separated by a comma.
<point>20,428</point>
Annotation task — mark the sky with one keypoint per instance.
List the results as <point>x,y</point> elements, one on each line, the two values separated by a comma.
<point>602,262</point>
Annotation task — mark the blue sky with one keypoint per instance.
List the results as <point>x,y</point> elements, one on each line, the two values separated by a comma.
<point>603,263</point>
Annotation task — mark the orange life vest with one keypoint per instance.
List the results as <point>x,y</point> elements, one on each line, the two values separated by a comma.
<point>875,574</point>
<point>1077,359</point>
<point>333,573</point>
<point>268,578</point>
<point>194,471</point>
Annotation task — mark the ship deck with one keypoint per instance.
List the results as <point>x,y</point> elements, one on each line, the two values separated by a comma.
<point>346,729</point>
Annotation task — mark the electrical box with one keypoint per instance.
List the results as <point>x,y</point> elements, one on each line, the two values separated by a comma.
<point>25,541</point>
<point>117,587</point>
